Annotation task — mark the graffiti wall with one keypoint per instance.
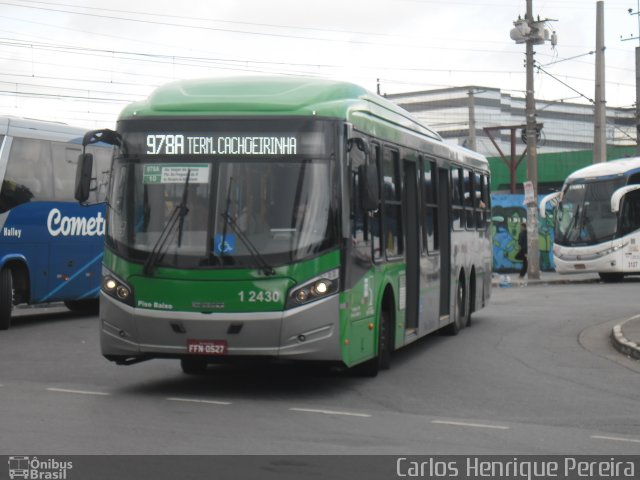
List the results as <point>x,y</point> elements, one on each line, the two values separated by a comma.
<point>507,213</point>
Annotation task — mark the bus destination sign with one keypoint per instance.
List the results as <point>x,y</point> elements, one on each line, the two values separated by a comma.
<point>179,144</point>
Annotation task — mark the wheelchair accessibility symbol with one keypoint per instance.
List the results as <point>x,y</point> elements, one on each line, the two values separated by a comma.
<point>228,247</point>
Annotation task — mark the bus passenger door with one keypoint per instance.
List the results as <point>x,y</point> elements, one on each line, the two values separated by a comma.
<point>412,254</point>
<point>444,238</point>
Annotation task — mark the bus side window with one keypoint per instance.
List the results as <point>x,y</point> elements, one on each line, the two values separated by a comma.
<point>29,174</point>
<point>430,200</point>
<point>478,183</point>
<point>65,161</point>
<point>631,213</point>
<point>470,201</point>
<point>457,209</point>
<point>392,204</point>
<point>359,223</point>
<point>101,170</point>
<point>375,217</point>
<point>485,199</point>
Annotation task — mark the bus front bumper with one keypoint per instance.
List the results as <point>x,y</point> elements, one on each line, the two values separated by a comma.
<point>588,259</point>
<point>310,332</point>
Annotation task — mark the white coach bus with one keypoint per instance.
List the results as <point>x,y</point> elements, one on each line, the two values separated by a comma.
<point>597,227</point>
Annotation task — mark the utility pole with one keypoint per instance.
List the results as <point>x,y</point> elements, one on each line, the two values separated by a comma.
<point>637,14</point>
<point>472,121</point>
<point>531,33</point>
<point>638,98</point>
<point>533,253</point>
<point>600,120</point>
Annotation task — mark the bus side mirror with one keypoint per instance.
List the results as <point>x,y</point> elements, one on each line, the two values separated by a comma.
<point>369,187</point>
<point>553,198</point>
<point>360,143</point>
<point>83,177</point>
<point>616,197</point>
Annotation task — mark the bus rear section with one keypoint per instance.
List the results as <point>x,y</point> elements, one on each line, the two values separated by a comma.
<point>50,247</point>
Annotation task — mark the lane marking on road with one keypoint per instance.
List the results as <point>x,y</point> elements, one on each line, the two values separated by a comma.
<point>615,439</point>
<point>78,392</point>
<point>474,425</point>
<point>330,412</point>
<point>197,400</point>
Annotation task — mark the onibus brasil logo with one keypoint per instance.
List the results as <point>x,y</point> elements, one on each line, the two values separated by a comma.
<point>33,468</point>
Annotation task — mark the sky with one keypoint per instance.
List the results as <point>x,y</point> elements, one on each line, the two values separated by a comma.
<point>81,61</point>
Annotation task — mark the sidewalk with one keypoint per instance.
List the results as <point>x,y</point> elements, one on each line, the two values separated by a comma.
<point>625,336</point>
<point>546,278</point>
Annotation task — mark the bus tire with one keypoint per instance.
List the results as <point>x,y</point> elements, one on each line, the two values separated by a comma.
<point>193,365</point>
<point>6,298</point>
<point>611,277</point>
<point>384,341</point>
<point>382,361</point>
<point>471,300</point>
<point>459,310</point>
<point>90,306</point>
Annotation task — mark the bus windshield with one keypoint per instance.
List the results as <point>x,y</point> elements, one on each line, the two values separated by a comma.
<point>238,212</point>
<point>584,215</point>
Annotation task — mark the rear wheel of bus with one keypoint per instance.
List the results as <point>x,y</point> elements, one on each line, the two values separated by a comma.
<point>459,310</point>
<point>6,298</point>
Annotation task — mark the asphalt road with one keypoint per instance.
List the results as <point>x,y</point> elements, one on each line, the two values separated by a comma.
<point>535,374</point>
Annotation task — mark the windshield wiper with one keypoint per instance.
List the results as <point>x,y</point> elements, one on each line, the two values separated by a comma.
<point>226,216</point>
<point>230,222</point>
<point>264,266</point>
<point>570,231</point>
<point>176,217</point>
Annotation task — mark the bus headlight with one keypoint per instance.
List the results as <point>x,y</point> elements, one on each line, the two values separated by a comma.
<point>315,289</point>
<point>117,289</point>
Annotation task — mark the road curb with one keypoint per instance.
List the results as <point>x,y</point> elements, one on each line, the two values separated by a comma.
<point>623,344</point>
<point>496,283</point>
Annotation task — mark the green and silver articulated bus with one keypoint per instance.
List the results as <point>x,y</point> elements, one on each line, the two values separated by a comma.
<point>285,218</point>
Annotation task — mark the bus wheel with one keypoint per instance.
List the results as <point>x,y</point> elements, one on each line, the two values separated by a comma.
<point>6,298</point>
<point>384,341</point>
<point>382,360</point>
<point>611,277</point>
<point>459,311</point>
<point>193,365</point>
<point>90,306</point>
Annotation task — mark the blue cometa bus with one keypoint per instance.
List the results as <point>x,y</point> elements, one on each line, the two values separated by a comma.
<point>50,247</point>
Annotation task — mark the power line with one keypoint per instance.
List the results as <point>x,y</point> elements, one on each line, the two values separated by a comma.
<point>234,22</point>
<point>245,32</point>
<point>165,59</point>
<point>565,84</point>
<point>60,96</point>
